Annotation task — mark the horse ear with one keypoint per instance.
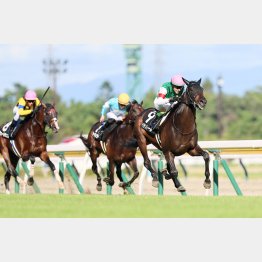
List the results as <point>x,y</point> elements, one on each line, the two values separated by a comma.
<point>141,103</point>
<point>186,81</point>
<point>199,81</point>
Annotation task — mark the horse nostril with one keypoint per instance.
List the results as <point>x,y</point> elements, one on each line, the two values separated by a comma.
<point>203,102</point>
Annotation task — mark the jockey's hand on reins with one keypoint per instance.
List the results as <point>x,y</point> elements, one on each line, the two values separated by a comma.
<point>173,99</point>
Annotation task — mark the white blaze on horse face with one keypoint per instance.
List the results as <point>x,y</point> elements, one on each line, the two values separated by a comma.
<point>55,123</point>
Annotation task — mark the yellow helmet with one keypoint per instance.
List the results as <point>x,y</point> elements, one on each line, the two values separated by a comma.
<point>123,99</point>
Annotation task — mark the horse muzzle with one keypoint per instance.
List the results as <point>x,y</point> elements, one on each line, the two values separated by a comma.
<point>201,104</point>
<point>54,125</point>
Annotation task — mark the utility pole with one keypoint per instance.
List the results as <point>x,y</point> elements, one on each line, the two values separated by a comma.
<point>53,67</point>
<point>220,84</point>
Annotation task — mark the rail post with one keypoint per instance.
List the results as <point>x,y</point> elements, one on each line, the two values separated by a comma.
<point>17,189</point>
<point>230,175</point>
<point>160,166</point>
<point>71,172</point>
<point>108,187</point>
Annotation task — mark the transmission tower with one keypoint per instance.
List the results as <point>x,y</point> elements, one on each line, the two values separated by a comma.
<point>53,67</point>
<point>134,74</point>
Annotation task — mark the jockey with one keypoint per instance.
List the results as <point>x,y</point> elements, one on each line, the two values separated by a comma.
<point>24,107</point>
<point>168,94</point>
<point>115,109</point>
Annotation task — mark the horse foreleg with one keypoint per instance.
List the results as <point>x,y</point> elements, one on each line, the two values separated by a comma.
<point>30,181</point>
<point>110,180</point>
<point>133,165</point>
<point>171,167</point>
<point>147,163</point>
<point>119,175</point>
<point>94,155</point>
<point>198,151</point>
<point>44,157</point>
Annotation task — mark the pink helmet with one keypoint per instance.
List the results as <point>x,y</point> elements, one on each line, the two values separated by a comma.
<point>30,95</point>
<point>177,80</point>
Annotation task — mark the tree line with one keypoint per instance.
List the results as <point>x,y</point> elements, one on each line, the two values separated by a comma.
<point>241,116</point>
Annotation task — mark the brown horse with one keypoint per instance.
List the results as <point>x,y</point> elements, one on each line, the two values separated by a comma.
<point>114,148</point>
<point>30,142</point>
<point>177,133</point>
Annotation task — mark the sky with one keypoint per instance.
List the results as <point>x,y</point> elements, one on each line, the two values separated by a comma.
<point>89,65</point>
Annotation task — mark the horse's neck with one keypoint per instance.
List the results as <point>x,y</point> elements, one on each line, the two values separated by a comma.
<point>39,118</point>
<point>184,116</point>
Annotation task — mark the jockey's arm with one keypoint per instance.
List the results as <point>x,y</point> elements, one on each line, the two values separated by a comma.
<point>104,110</point>
<point>23,112</point>
<point>161,97</point>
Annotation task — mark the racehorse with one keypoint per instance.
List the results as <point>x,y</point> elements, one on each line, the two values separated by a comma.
<point>30,142</point>
<point>177,133</point>
<point>114,148</point>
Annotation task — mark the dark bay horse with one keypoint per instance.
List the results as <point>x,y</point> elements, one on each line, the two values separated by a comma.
<point>114,148</point>
<point>30,142</point>
<point>177,133</point>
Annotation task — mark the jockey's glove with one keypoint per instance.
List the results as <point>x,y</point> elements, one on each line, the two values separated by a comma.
<point>173,99</point>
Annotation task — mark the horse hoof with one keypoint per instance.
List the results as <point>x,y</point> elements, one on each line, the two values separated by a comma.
<point>121,184</point>
<point>106,180</point>
<point>155,183</point>
<point>167,176</point>
<point>7,192</point>
<point>207,185</point>
<point>99,187</point>
<point>181,189</point>
<point>30,181</point>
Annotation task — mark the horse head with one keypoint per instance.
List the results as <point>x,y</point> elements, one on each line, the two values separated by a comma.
<point>195,93</point>
<point>50,117</point>
<point>134,109</point>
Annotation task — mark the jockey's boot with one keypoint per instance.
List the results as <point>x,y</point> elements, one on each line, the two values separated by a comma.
<point>109,127</point>
<point>155,123</point>
<point>13,129</point>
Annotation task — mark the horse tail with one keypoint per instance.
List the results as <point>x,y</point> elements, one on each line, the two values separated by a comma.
<point>131,142</point>
<point>84,140</point>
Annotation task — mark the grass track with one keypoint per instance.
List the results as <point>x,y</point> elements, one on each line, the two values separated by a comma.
<point>102,206</point>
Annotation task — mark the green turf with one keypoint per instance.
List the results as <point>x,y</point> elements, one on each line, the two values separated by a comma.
<point>128,206</point>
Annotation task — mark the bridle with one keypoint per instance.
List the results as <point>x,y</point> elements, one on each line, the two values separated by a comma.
<point>51,117</point>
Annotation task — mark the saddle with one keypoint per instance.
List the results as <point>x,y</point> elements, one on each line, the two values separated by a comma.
<point>105,128</point>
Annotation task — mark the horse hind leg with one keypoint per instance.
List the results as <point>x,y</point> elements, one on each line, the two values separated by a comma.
<point>94,157</point>
<point>11,165</point>
<point>147,162</point>
<point>6,181</point>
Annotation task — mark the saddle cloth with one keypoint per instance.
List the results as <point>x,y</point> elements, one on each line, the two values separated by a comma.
<point>4,129</point>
